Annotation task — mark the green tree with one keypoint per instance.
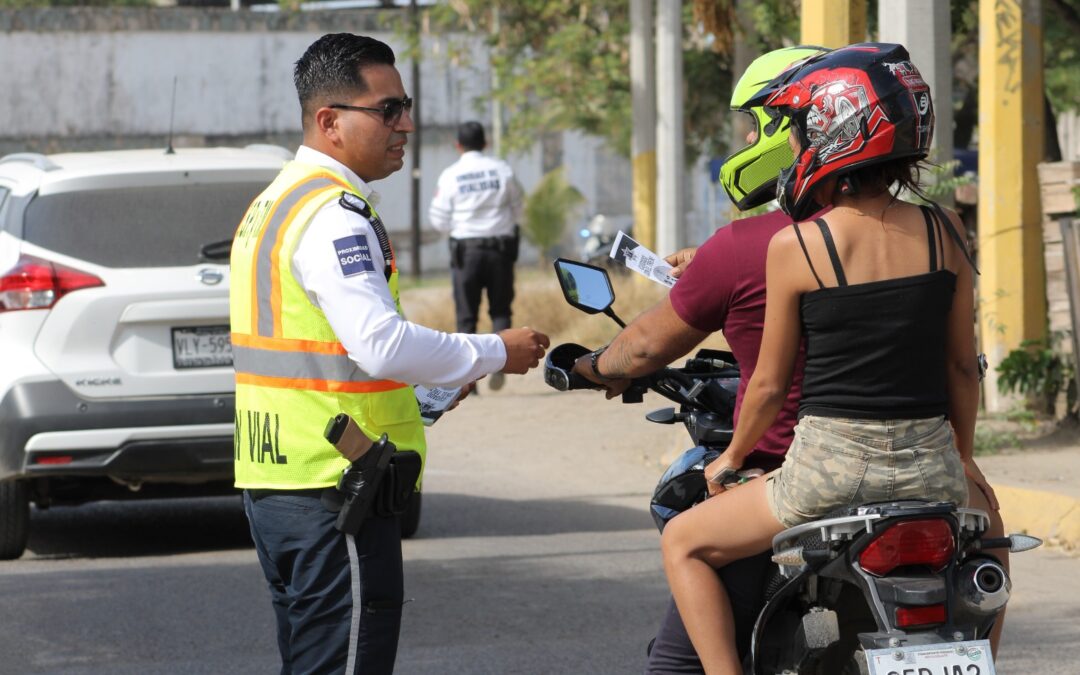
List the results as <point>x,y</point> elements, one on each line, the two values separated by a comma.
<point>548,209</point>
<point>565,64</point>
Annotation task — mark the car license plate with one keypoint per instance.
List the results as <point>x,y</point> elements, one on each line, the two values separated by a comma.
<point>201,347</point>
<point>957,658</point>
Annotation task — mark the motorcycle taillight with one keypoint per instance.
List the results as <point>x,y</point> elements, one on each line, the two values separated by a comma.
<point>926,543</point>
<point>907,617</point>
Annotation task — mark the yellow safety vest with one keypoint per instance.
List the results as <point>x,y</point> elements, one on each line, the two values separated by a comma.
<point>292,372</point>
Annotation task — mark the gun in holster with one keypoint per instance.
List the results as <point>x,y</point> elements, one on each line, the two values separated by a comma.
<point>457,253</point>
<point>514,244</point>
<point>379,480</point>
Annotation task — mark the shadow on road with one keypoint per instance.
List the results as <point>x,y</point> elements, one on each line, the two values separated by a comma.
<point>144,528</point>
<point>457,515</point>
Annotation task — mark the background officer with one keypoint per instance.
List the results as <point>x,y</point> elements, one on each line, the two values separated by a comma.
<point>478,201</point>
<point>317,330</point>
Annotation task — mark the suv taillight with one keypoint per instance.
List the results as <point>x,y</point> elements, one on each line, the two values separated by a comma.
<point>912,542</point>
<point>35,283</point>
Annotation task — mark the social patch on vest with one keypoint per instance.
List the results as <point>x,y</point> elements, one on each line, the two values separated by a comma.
<point>353,255</point>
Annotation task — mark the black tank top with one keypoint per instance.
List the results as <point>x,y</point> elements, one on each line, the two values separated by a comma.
<point>876,350</point>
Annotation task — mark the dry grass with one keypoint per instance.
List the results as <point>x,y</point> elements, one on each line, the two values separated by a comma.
<point>540,304</point>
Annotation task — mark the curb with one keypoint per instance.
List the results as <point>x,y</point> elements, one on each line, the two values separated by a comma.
<point>1050,516</point>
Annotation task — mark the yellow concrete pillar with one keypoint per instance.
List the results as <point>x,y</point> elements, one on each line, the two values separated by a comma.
<point>1012,287</point>
<point>833,23</point>
<point>644,178</point>
<point>643,136</point>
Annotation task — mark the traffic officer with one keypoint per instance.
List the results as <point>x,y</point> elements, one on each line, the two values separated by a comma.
<point>479,202</point>
<point>317,330</point>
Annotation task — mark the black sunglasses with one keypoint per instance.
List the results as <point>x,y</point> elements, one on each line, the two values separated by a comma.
<point>391,111</point>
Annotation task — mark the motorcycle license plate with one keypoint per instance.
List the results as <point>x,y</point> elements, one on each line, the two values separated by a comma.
<point>201,347</point>
<point>957,658</point>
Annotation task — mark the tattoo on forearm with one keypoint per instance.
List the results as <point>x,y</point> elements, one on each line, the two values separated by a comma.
<point>619,361</point>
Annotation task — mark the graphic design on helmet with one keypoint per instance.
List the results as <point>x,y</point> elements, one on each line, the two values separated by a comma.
<point>856,106</point>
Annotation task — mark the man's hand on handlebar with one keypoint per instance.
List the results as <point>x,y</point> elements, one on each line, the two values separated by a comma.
<point>611,387</point>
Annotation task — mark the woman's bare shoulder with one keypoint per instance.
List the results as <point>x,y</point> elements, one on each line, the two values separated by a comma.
<point>785,238</point>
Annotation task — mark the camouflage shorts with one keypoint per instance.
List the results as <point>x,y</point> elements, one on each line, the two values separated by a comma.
<point>835,462</point>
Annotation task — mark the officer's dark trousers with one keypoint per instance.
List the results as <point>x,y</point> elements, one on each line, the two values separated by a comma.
<point>482,264</point>
<point>337,598</point>
<point>672,652</point>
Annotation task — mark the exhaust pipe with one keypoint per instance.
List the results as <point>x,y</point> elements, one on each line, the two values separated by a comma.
<point>983,586</point>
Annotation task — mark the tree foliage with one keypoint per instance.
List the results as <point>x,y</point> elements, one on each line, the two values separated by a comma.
<point>549,208</point>
<point>565,64</point>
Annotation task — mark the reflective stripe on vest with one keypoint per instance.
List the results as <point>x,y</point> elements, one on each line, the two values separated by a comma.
<point>267,286</point>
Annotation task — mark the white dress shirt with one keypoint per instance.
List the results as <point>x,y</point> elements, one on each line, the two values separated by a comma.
<point>361,310</point>
<point>477,196</point>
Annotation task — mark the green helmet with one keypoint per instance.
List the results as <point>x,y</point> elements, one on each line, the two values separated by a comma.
<point>749,175</point>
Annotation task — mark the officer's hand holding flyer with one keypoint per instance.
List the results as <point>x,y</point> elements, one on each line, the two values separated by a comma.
<point>641,260</point>
<point>434,402</point>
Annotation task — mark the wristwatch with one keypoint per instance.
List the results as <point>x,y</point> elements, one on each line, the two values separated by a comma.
<point>594,362</point>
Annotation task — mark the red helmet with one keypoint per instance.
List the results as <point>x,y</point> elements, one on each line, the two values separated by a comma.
<point>859,105</point>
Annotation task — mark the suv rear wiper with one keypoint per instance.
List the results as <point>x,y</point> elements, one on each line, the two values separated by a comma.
<point>215,251</point>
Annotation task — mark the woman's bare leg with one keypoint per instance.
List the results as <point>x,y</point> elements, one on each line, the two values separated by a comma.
<point>977,500</point>
<point>702,539</point>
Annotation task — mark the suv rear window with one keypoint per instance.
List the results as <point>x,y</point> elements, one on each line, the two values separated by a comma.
<point>139,227</point>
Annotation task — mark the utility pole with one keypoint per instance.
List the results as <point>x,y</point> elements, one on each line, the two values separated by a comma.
<point>923,26</point>
<point>643,135</point>
<point>670,168</point>
<point>1012,292</point>
<point>414,16</point>
<point>496,106</point>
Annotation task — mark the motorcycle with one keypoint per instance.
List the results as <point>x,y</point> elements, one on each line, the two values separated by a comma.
<point>597,238</point>
<point>898,588</point>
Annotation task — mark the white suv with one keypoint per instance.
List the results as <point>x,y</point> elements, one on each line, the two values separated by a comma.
<point>116,375</point>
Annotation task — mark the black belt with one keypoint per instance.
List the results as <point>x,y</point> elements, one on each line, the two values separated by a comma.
<point>329,496</point>
<point>485,242</point>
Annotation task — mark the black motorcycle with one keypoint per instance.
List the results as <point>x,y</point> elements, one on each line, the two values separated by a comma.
<point>897,588</point>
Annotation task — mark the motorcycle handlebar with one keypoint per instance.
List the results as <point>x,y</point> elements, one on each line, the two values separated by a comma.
<point>671,383</point>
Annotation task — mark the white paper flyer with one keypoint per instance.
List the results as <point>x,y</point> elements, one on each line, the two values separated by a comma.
<point>641,260</point>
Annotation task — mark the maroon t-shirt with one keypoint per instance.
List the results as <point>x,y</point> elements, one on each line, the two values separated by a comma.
<point>723,288</point>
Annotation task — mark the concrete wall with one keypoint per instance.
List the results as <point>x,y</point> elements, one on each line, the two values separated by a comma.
<point>87,79</point>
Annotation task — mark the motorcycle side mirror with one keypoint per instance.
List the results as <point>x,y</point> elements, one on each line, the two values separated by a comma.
<point>586,287</point>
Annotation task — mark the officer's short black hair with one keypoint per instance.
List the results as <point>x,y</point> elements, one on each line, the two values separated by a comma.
<point>330,69</point>
<point>470,135</point>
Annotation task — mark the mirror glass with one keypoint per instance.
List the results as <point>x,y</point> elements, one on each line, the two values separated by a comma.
<point>585,287</point>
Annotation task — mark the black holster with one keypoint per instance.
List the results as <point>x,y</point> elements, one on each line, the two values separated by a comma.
<point>359,485</point>
<point>372,491</point>
<point>398,484</point>
<point>457,253</point>
<point>513,244</point>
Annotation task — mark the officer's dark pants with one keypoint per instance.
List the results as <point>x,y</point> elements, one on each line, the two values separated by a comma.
<point>482,263</point>
<point>337,598</point>
<point>672,652</point>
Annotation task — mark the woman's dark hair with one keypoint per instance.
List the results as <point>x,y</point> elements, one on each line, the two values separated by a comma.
<point>330,69</point>
<point>905,173</point>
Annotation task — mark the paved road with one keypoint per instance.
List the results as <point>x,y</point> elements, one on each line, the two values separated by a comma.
<point>535,555</point>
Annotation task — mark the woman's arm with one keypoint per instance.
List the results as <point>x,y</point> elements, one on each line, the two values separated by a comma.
<point>961,364</point>
<point>769,386</point>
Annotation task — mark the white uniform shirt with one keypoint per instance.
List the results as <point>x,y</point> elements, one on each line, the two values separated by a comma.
<point>360,309</point>
<point>477,196</point>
